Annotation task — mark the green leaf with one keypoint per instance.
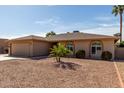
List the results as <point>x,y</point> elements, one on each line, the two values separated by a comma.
<point>59,51</point>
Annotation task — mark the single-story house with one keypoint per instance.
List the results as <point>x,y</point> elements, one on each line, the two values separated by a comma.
<point>29,46</point>
<point>93,44</point>
<point>3,46</point>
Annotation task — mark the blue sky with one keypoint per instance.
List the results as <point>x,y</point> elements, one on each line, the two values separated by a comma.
<point>16,21</point>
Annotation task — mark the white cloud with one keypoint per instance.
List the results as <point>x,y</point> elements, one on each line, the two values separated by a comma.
<point>59,26</point>
<point>88,27</point>
<point>108,25</point>
<point>104,31</point>
<point>105,18</point>
<point>105,25</point>
<point>108,30</point>
<point>49,21</point>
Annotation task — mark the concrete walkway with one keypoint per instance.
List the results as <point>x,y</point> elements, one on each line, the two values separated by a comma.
<point>4,57</point>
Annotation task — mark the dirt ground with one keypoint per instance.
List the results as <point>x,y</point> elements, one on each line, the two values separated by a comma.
<point>44,73</point>
<point>120,65</point>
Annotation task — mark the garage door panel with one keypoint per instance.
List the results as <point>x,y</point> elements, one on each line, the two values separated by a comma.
<point>21,50</point>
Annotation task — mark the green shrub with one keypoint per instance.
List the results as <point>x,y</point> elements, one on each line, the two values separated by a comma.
<point>106,55</point>
<point>80,54</point>
<point>59,51</point>
<point>121,44</point>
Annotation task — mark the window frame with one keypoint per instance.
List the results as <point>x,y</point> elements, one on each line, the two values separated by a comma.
<point>70,45</point>
<point>97,46</point>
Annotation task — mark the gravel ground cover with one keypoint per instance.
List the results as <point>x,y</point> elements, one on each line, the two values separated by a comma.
<point>120,65</point>
<point>44,73</point>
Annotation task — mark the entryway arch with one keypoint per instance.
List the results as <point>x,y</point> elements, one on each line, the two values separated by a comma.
<point>96,48</point>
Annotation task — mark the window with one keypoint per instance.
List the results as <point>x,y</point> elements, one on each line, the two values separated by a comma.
<point>93,50</point>
<point>70,46</point>
<point>96,46</point>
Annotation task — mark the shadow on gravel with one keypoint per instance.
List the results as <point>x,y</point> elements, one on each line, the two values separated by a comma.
<point>122,61</point>
<point>67,65</point>
<point>38,58</point>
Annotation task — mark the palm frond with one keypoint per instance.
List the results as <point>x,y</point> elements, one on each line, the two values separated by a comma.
<point>59,51</point>
<point>115,10</point>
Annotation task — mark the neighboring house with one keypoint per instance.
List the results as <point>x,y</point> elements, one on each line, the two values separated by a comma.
<point>93,44</point>
<point>3,46</point>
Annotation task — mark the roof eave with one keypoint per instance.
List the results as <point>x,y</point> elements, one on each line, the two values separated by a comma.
<point>13,40</point>
<point>82,39</point>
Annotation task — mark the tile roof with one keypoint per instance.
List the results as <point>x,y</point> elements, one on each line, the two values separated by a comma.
<point>30,37</point>
<point>3,39</point>
<point>77,36</point>
<point>67,36</point>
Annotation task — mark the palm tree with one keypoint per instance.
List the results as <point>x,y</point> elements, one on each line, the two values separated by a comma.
<point>50,33</point>
<point>118,10</point>
<point>59,51</point>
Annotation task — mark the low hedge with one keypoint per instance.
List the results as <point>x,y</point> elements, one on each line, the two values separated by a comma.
<point>80,54</point>
<point>106,55</point>
<point>121,44</point>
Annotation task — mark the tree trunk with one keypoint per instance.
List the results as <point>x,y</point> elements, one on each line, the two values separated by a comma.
<point>58,59</point>
<point>121,27</point>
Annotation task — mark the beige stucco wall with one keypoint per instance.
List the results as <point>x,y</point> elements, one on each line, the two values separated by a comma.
<point>3,45</point>
<point>108,45</point>
<point>119,53</point>
<point>80,44</point>
<point>85,45</point>
<point>29,48</point>
<point>41,48</point>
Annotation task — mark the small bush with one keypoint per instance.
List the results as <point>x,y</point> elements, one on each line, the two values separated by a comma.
<point>59,51</point>
<point>121,44</point>
<point>80,54</point>
<point>106,55</point>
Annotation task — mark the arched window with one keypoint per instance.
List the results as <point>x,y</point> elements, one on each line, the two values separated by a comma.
<point>96,46</point>
<point>70,46</point>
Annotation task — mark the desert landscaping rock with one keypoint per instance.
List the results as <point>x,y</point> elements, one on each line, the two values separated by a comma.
<point>42,73</point>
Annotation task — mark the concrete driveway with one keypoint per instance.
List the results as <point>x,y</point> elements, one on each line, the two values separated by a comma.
<point>4,57</point>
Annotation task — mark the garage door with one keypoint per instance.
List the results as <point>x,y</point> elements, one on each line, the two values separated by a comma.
<point>22,50</point>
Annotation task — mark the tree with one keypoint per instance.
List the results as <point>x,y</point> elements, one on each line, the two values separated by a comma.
<point>118,10</point>
<point>50,34</point>
<point>59,51</point>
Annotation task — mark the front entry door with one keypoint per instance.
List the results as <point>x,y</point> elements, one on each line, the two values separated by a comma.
<point>96,50</point>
